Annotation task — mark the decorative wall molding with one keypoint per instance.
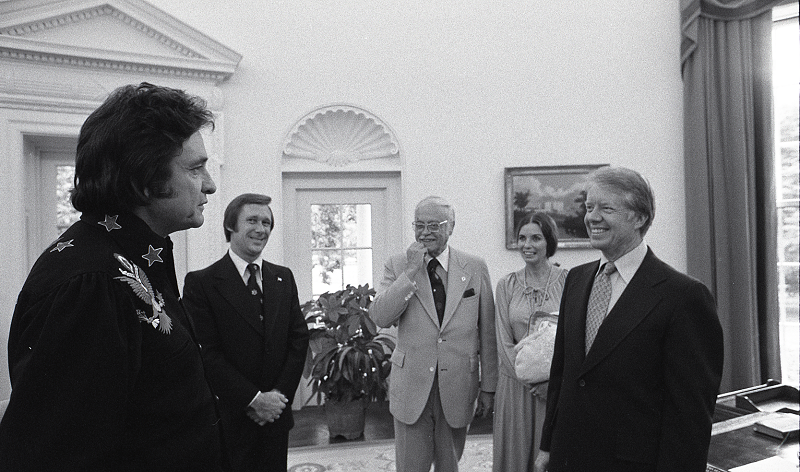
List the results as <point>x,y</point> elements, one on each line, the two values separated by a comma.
<point>95,12</point>
<point>154,43</point>
<point>339,135</point>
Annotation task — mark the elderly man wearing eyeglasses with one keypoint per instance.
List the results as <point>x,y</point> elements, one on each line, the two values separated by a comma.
<point>441,300</point>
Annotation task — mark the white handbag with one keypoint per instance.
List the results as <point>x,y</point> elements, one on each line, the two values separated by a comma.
<point>535,350</point>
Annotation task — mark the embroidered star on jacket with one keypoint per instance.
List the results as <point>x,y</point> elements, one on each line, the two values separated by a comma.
<point>137,279</point>
<point>110,223</point>
<point>153,255</point>
<point>60,246</point>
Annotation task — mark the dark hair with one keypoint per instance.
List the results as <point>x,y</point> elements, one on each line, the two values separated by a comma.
<point>126,145</point>
<point>632,186</point>
<point>234,209</point>
<point>548,226</point>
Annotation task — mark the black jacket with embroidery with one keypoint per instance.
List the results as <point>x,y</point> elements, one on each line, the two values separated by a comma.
<point>105,372</point>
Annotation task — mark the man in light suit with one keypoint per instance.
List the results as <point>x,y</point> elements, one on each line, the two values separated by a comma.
<point>254,345</point>
<point>637,393</point>
<point>441,301</point>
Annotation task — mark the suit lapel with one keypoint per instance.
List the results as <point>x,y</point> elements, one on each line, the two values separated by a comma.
<point>636,302</point>
<point>577,302</point>
<point>457,279</point>
<point>425,294</point>
<point>230,286</point>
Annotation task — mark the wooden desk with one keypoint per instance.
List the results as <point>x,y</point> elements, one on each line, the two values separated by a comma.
<point>734,443</point>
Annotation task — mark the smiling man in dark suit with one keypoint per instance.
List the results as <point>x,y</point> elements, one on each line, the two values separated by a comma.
<point>253,336</point>
<point>638,355</point>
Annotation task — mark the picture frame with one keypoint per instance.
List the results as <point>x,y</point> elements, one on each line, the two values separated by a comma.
<point>556,190</point>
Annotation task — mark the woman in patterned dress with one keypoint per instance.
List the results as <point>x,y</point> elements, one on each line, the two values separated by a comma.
<point>520,407</point>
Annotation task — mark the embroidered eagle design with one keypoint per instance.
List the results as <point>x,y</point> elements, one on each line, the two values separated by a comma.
<point>137,280</point>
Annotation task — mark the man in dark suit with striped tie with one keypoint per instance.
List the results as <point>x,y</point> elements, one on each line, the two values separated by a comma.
<point>254,338</point>
<point>638,355</point>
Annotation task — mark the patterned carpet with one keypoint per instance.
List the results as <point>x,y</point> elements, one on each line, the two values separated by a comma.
<point>378,456</point>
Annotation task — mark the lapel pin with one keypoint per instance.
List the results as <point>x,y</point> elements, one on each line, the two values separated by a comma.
<point>280,279</point>
<point>463,279</point>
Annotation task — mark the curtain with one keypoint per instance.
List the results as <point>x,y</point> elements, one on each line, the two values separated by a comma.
<point>730,183</point>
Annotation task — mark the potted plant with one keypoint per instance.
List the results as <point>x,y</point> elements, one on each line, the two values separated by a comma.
<point>348,358</point>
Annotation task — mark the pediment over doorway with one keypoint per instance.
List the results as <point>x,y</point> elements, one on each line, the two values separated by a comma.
<point>114,35</point>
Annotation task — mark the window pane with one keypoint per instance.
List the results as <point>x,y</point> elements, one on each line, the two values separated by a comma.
<point>790,171</point>
<point>789,234</point>
<point>326,271</point>
<point>357,267</point>
<point>357,222</point>
<point>65,213</point>
<point>789,274</point>
<point>326,226</point>
<point>786,74</point>
<point>790,323</point>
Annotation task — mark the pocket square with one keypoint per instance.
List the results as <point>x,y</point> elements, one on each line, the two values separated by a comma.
<point>469,293</point>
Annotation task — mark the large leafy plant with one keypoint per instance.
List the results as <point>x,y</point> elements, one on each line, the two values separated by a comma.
<point>348,358</point>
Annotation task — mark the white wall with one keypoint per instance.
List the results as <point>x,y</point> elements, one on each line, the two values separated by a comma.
<point>469,88</point>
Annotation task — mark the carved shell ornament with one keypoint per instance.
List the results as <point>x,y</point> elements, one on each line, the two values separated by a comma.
<point>340,135</point>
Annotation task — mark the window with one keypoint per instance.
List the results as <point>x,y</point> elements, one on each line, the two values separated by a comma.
<point>341,228</point>
<point>65,213</point>
<point>786,76</point>
<point>341,246</point>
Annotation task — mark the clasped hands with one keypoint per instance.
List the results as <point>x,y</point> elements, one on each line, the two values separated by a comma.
<point>267,407</point>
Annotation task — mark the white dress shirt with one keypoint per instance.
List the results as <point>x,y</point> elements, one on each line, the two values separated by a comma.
<point>241,266</point>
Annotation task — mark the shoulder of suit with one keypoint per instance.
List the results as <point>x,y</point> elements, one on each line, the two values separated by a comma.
<point>278,269</point>
<point>670,273</point>
<point>583,269</point>
<point>214,267</point>
<point>465,256</point>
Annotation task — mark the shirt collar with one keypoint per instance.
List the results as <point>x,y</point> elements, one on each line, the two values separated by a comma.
<point>443,258</point>
<point>629,263</point>
<point>241,264</point>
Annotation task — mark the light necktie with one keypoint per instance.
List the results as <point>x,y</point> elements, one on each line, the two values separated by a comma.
<point>598,302</point>
<point>439,295</point>
<point>252,281</point>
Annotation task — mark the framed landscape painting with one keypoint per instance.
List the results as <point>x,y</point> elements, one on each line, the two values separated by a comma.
<point>555,190</point>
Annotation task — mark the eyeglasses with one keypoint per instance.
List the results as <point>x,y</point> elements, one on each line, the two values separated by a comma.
<point>431,227</point>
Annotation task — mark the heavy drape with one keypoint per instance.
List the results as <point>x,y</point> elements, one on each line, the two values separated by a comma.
<point>730,184</point>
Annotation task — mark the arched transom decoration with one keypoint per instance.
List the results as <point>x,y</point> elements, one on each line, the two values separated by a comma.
<point>339,135</point>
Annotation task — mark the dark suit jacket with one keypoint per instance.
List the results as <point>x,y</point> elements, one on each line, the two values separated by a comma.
<point>105,370</point>
<point>644,396</point>
<point>243,355</point>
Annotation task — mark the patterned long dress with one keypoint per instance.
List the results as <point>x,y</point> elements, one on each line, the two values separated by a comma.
<point>518,413</point>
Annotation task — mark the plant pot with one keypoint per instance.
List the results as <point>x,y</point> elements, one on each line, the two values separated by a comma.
<point>345,418</point>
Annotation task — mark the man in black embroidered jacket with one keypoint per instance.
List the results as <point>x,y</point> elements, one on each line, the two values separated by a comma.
<point>105,371</point>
